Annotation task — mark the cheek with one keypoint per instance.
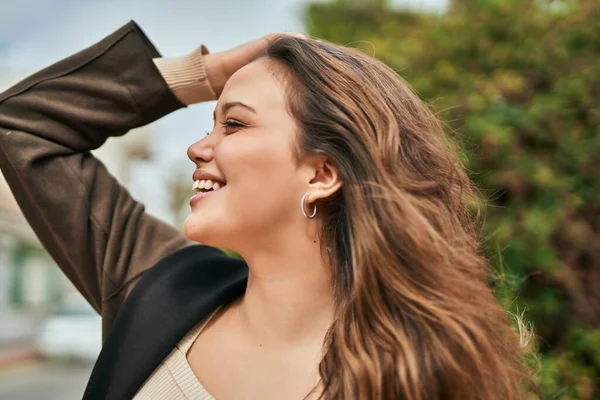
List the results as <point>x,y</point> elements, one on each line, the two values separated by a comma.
<point>262,180</point>
<point>254,161</point>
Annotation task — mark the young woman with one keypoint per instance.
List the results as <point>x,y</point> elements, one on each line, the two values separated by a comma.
<point>363,277</point>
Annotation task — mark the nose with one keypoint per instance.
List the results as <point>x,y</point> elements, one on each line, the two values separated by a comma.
<point>200,151</point>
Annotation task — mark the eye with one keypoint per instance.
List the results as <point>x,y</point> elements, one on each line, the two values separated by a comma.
<point>231,125</point>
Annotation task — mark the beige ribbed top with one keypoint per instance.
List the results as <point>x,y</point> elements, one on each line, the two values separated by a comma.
<point>174,378</point>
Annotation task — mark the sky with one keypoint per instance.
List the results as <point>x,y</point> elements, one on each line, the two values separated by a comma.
<point>36,33</point>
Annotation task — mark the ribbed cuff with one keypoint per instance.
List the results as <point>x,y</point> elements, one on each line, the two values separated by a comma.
<point>186,76</point>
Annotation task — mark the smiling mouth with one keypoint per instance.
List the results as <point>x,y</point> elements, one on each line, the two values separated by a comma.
<point>207,185</point>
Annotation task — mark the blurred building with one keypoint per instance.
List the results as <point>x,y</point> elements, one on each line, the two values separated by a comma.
<point>31,285</point>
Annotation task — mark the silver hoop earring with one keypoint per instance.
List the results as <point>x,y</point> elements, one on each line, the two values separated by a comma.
<point>302,205</point>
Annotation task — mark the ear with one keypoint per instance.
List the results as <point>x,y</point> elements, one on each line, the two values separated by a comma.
<point>325,180</point>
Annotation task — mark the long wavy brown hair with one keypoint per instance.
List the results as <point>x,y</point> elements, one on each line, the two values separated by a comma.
<point>415,315</point>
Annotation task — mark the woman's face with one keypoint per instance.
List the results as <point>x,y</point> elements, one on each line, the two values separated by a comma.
<point>250,149</point>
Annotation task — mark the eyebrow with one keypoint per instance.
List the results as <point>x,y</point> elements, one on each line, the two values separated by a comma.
<point>227,106</point>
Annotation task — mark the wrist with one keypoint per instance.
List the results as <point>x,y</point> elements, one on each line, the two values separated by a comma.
<point>187,76</point>
<point>215,72</point>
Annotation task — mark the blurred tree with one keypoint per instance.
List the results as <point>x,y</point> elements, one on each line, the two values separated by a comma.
<point>380,4</point>
<point>517,83</point>
<point>180,191</point>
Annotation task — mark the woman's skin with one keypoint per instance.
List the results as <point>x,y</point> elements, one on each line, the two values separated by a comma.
<point>268,343</point>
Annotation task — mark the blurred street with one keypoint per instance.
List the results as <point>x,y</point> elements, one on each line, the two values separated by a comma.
<point>44,380</point>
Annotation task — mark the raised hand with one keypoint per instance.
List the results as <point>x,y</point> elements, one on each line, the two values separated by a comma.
<point>220,66</point>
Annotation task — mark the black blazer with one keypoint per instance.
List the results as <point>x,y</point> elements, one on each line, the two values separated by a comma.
<point>168,301</point>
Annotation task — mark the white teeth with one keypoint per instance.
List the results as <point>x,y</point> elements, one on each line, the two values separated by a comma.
<point>206,184</point>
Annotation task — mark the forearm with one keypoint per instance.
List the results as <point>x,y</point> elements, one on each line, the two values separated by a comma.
<point>104,90</point>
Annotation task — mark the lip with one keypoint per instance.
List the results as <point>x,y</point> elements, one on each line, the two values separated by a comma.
<point>200,195</point>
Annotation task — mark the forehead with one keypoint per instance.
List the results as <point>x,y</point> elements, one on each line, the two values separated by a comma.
<point>256,85</point>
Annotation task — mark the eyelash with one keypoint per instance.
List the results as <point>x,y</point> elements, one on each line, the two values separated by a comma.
<point>230,124</point>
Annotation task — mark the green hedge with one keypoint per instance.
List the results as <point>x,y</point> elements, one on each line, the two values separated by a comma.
<point>518,82</point>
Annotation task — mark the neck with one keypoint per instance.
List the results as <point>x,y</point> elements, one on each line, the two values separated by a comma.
<point>289,297</point>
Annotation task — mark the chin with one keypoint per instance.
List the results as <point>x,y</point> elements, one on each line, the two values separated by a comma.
<point>197,230</point>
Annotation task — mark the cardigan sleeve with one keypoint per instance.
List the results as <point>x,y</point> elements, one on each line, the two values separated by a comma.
<point>186,76</point>
<point>96,232</point>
